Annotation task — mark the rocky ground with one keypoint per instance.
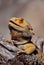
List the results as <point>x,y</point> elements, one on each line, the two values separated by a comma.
<point>22,59</point>
<point>9,57</point>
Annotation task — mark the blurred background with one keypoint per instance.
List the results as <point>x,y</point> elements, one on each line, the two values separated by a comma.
<point>30,10</point>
